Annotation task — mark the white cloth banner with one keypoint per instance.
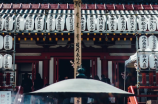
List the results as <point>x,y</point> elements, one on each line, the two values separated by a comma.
<point>5,97</point>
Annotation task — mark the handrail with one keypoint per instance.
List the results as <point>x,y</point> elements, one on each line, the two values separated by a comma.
<point>132,99</point>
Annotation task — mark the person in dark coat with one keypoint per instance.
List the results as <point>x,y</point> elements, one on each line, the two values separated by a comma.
<point>104,79</point>
<point>26,84</point>
<point>96,77</point>
<point>38,82</point>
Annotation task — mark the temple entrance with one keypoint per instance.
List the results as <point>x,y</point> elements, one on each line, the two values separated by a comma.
<point>66,70</point>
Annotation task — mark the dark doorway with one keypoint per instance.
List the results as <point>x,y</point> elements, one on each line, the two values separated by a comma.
<point>66,70</point>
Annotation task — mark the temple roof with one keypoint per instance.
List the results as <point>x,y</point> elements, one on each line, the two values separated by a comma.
<point>84,6</point>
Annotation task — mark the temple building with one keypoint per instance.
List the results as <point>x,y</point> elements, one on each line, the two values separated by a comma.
<point>43,40</point>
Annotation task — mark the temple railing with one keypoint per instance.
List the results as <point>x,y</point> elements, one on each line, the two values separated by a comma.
<point>151,94</point>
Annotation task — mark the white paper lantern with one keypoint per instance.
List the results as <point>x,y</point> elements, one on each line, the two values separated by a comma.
<point>91,23</point>
<point>20,23</point>
<point>60,23</point>
<point>152,24</point>
<point>39,23</point>
<point>7,61</point>
<point>83,23</point>
<point>112,23</point>
<point>100,23</point>
<point>2,23</point>
<point>1,42</point>
<point>122,24</point>
<point>143,61</point>
<point>142,23</point>
<point>70,23</point>
<point>153,61</point>
<point>1,61</point>
<point>9,23</point>
<point>152,42</point>
<point>143,42</point>
<point>8,44</point>
<point>50,23</point>
<point>131,23</point>
<point>29,25</point>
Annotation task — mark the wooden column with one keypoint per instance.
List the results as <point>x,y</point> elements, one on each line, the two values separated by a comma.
<point>77,36</point>
<point>46,71</point>
<point>77,41</point>
<point>104,67</point>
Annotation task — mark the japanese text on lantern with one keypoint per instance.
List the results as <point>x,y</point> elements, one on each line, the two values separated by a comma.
<point>144,39</point>
<point>132,23</point>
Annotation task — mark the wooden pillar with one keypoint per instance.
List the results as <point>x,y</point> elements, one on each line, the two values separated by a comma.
<point>143,78</point>
<point>156,78</point>
<point>46,71</point>
<point>151,78</point>
<point>77,41</point>
<point>104,67</point>
<point>77,36</point>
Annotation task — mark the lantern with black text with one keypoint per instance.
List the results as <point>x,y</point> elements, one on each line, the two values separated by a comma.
<point>9,23</point>
<point>8,44</point>
<point>152,42</point>
<point>83,21</point>
<point>152,24</point>
<point>29,25</point>
<point>143,61</point>
<point>20,23</point>
<point>50,22</point>
<point>60,23</point>
<point>100,23</point>
<point>91,23</point>
<point>7,61</point>
<point>1,23</point>
<point>39,22</point>
<point>1,42</point>
<point>153,61</point>
<point>143,42</point>
<point>70,22</point>
<point>1,61</point>
<point>121,23</point>
<point>131,23</point>
<point>112,23</point>
<point>142,23</point>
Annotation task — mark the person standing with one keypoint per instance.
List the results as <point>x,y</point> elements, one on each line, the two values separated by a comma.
<point>26,84</point>
<point>96,77</point>
<point>105,79</point>
<point>38,82</point>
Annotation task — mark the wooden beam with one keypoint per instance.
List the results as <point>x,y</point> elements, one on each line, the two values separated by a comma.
<point>67,50</point>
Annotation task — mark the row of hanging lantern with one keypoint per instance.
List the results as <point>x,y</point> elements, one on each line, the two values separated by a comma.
<point>69,39</point>
<point>36,22</point>
<point>148,49</point>
<point>6,61</point>
<point>6,42</point>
